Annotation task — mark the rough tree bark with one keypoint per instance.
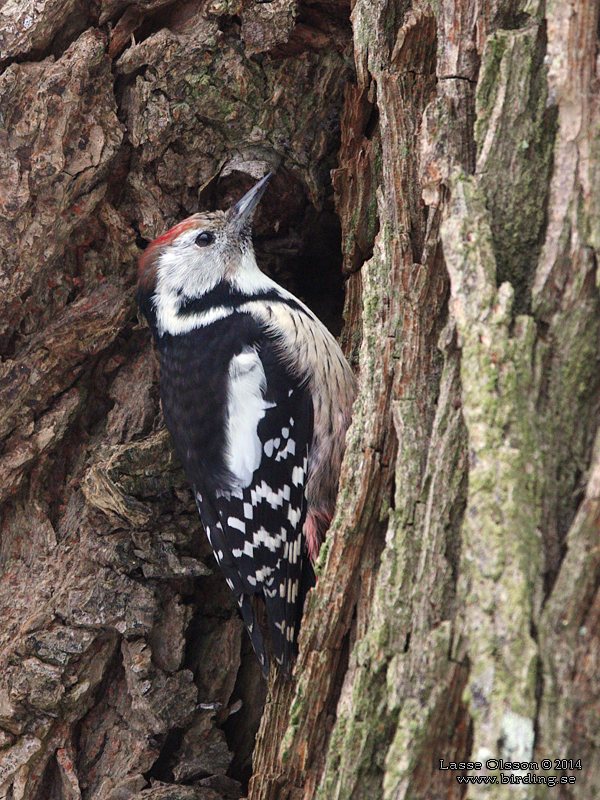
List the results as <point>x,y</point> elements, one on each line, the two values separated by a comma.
<point>444,158</point>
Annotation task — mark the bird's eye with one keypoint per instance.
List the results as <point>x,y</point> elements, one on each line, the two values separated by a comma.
<point>205,238</point>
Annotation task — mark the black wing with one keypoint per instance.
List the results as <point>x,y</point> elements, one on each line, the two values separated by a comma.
<point>256,531</point>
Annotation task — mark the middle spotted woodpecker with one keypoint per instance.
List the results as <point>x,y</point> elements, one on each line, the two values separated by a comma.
<point>257,397</point>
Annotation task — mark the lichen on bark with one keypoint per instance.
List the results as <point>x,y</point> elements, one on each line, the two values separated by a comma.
<point>500,585</point>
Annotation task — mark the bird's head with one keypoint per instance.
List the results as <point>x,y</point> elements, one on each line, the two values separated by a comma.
<point>204,249</point>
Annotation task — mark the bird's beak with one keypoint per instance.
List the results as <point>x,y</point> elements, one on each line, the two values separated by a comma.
<point>240,216</point>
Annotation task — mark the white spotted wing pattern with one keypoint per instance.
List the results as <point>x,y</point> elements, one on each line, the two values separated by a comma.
<point>255,526</point>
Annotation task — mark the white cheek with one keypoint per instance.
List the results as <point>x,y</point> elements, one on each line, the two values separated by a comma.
<point>189,269</point>
<point>185,270</point>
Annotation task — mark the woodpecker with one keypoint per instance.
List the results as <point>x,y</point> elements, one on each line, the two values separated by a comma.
<point>257,397</point>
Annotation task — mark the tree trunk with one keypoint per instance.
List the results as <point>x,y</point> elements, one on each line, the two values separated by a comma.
<point>444,159</point>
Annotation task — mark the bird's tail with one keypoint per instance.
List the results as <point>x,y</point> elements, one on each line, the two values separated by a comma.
<point>254,632</point>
